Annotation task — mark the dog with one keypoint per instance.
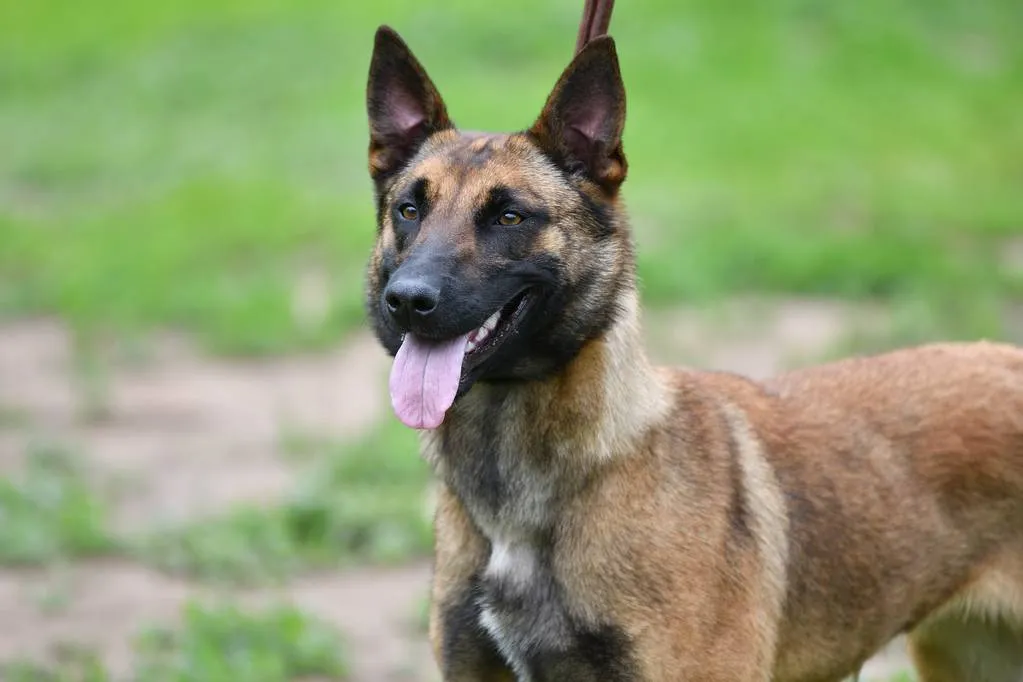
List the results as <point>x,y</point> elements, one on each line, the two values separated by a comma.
<point>603,519</point>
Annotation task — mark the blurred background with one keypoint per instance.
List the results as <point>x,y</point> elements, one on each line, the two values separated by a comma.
<point>201,475</point>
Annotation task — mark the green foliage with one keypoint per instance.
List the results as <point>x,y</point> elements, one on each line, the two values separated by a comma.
<point>48,511</point>
<point>220,643</point>
<point>191,164</point>
<point>362,502</point>
<point>229,644</point>
<point>71,664</point>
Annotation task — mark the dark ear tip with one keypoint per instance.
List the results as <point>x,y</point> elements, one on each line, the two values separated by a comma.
<point>600,50</point>
<point>604,44</point>
<point>386,35</point>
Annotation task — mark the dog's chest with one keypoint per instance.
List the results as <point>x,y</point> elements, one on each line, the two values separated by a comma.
<point>523,609</point>
<point>513,499</point>
<point>519,605</point>
<point>523,605</point>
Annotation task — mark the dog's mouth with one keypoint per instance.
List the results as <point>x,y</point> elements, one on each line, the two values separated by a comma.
<point>426,374</point>
<point>483,341</point>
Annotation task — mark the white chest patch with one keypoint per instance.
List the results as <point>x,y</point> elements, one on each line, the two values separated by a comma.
<point>514,564</point>
<point>513,571</point>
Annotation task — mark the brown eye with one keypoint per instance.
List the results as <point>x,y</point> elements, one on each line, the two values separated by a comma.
<point>509,218</point>
<point>408,212</point>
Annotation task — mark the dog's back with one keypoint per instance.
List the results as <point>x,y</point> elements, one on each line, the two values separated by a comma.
<point>903,477</point>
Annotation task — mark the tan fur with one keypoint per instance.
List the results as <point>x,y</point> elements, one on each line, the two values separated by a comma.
<point>917,455</point>
<point>920,452</point>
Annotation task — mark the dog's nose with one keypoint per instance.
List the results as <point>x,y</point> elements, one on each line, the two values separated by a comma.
<point>410,299</point>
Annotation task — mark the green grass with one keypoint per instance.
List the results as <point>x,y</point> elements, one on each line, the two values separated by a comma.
<point>70,664</point>
<point>190,164</point>
<point>361,503</point>
<point>231,644</point>
<point>50,512</point>
<point>218,643</point>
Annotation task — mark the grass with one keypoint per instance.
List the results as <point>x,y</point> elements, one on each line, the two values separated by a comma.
<point>361,503</point>
<point>50,512</point>
<point>195,164</point>
<point>230,644</point>
<point>71,664</point>
<point>215,643</point>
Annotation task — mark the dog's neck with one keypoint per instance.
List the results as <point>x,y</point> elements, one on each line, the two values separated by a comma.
<point>508,450</point>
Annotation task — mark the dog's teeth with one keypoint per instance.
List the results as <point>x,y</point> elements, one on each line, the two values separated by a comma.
<point>480,335</point>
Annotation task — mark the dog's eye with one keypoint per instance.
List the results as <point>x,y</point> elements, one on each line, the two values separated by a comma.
<point>509,218</point>
<point>408,212</point>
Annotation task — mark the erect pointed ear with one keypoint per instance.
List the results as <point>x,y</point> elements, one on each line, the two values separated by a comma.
<point>581,125</point>
<point>403,104</point>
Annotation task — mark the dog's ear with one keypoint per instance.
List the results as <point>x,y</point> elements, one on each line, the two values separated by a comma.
<point>581,125</point>
<point>403,104</point>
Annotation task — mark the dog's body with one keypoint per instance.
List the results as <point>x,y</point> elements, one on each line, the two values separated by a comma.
<point>602,519</point>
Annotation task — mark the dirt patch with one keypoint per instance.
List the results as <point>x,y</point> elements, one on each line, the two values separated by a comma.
<point>377,610</point>
<point>185,435</point>
<point>100,605</point>
<point>757,337</point>
<point>103,605</point>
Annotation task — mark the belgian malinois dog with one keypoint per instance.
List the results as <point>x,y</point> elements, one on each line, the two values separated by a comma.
<point>601,519</point>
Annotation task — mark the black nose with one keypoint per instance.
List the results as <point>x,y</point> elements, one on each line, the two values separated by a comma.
<point>410,300</point>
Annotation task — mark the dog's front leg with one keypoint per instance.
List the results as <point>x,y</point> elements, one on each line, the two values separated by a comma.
<point>463,649</point>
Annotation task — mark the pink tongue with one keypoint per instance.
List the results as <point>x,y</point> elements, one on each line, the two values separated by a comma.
<point>424,380</point>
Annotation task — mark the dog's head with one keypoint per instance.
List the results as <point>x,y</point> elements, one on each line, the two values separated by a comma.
<point>498,256</point>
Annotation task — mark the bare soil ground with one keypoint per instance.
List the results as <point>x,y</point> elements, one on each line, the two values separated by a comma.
<point>183,435</point>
